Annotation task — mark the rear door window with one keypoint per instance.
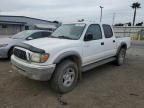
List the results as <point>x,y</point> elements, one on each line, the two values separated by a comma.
<point>107,31</point>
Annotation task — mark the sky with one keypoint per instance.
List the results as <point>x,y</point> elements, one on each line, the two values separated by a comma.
<point>72,10</point>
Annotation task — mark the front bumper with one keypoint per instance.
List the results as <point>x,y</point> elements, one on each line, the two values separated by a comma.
<point>32,71</point>
<point>3,53</point>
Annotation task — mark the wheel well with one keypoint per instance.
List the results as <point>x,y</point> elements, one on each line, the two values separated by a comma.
<point>73,58</point>
<point>10,50</point>
<point>124,46</point>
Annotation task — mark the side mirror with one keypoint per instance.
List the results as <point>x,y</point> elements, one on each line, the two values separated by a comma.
<point>29,38</point>
<point>88,37</point>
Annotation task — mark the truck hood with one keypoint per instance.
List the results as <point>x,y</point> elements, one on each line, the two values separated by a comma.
<point>50,43</point>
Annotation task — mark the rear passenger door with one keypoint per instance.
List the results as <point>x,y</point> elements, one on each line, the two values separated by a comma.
<point>93,49</point>
<point>110,41</point>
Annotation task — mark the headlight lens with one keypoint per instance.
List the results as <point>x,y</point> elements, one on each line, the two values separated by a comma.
<point>44,58</point>
<point>39,58</point>
<point>35,57</point>
<point>3,45</point>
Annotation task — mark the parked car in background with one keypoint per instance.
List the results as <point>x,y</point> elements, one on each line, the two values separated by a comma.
<point>7,44</point>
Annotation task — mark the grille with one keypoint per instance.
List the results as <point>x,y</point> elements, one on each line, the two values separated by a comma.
<point>20,54</point>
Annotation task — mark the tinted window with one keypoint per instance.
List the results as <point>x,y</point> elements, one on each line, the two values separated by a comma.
<point>95,30</point>
<point>4,26</point>
<point>26,27</point>
<point>23,34</point>
<point>107,31</point>
<point>36,35</point>
<point>46,34</point>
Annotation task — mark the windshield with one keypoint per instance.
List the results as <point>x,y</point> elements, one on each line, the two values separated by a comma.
<point>23,34</point>
<point>69,31</point>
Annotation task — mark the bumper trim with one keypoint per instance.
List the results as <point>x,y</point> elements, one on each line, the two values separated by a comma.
<point>36,72</point>
<point>3,53</point>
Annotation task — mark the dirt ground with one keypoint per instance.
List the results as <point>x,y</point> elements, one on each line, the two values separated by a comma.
<point>107,86</point>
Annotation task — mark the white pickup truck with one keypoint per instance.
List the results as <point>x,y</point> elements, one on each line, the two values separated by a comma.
<point>69,51</point>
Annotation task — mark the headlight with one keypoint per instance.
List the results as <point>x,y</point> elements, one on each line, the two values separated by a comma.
<point>3,45</point>
<point>39,58</point>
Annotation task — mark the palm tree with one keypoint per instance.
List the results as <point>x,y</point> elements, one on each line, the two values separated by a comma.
<point>135,6</point>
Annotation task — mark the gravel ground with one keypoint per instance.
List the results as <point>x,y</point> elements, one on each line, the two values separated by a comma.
<point>107,86</point>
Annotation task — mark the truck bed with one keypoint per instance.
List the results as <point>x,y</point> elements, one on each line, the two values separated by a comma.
<point>126,40</point>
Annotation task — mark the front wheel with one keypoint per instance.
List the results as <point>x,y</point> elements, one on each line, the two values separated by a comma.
<point>121,57</point>
<point>65,77</point>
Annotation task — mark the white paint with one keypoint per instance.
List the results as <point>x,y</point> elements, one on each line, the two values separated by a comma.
<point>90,52</point>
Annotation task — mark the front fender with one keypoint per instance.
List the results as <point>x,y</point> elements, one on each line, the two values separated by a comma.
<point>67,54</point>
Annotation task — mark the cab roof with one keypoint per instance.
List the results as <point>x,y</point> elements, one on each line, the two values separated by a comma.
<point>86,22</point>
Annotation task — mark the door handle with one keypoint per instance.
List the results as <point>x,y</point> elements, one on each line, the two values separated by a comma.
<point>114,41</point>
<point>102,43</point>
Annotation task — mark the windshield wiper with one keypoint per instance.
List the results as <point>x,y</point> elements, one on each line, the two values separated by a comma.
<point>64,37</point>
<point>61,37</point>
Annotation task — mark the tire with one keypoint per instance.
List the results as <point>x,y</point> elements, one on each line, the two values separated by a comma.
<point>120,59</point>
<point>65,77</point>
<point>10,52</point>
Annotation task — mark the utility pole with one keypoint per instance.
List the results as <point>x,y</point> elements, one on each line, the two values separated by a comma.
<point>114,15</point>
<point>101,13</point>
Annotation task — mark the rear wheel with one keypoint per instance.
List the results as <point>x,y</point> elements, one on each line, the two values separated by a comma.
<point>121,57</point>
<point>65,77</point>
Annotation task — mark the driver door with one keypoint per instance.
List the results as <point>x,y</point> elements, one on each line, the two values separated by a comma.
<point>93,49</point>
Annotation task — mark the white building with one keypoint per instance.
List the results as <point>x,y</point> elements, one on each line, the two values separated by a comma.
<point>10,25</point>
